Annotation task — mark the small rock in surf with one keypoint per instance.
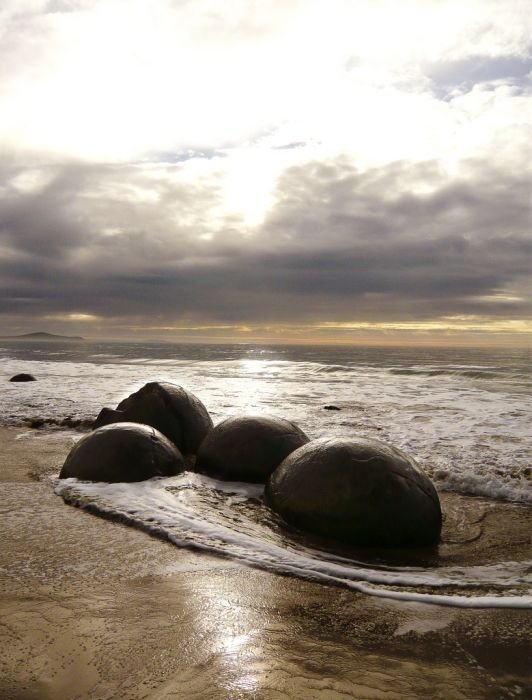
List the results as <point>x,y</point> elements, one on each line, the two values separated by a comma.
<point>23,378</point>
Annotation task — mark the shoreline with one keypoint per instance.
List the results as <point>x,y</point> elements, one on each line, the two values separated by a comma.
<point>98,609</point>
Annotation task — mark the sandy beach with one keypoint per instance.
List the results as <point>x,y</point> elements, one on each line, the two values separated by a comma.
<point>96,609</point>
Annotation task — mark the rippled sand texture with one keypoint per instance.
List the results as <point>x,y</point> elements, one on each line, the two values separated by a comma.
<point>95,609</point>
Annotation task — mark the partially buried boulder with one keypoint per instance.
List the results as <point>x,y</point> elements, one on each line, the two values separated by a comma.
<point>174,411</point>
<point>248,448</point>
<point>23,377</point>
<point>122,452</point>
<point>357,491</point>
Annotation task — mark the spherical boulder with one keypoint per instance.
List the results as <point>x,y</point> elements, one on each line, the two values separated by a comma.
<point>174,411</point>
<point>248,448</point>
<point>122,452</point>
<point>23,377</point>
<point>356,491</point>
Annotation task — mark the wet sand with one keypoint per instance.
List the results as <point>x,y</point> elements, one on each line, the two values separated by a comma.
<point>96,609</point>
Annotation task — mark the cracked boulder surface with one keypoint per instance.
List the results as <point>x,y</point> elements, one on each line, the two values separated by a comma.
<point>171,409</point>
<point>356,491</point>
<point>248,448</point>
<point>122,452</point>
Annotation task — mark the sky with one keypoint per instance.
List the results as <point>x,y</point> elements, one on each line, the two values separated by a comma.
<point>321,171</point>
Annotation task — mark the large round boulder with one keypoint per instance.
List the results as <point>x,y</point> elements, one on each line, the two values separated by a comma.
<point>248,448</point>
<point>174,411</point>
<point>357,491</point>
<point>122,452</point>
<point>23,377</point>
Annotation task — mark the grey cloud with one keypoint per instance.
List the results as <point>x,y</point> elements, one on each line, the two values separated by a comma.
<point>449,76</point>
<point>183,156</point>
<point>339,244</point>
<point>291,146</point>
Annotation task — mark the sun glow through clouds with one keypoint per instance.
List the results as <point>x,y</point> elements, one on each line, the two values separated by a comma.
<point>322,166</point>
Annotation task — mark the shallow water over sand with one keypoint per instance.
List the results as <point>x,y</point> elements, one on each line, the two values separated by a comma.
<point>230,519</point>
<point>98,610</point>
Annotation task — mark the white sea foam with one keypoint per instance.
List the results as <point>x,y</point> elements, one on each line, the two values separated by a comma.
<point>194,511</point>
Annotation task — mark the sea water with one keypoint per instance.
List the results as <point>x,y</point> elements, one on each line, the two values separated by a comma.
<point>465,415</point>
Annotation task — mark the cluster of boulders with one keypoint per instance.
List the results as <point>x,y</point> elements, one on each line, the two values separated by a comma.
<point>354,490</point>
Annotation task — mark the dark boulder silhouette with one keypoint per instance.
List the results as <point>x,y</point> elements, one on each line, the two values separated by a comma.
<point>122,452</point>
<point>248,448</point>
<point>357,491</point>
<point>176,412</point>
<point>23,377</point>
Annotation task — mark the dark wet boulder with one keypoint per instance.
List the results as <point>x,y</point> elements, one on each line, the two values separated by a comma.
<point>122,452</point>
<point>357,491</point>
<point>22,377</point>
<point>248,448</point>
<point>176,412</point>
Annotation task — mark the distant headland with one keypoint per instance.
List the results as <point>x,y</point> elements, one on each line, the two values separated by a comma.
<point>41,336</point>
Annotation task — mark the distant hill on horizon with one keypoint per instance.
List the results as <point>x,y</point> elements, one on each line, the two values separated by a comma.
<point>41,336</point>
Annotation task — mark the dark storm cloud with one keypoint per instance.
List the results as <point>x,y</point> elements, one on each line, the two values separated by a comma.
<point>403,242</point>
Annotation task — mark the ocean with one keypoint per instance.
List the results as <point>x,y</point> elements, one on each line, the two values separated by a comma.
<point>465,415</point>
